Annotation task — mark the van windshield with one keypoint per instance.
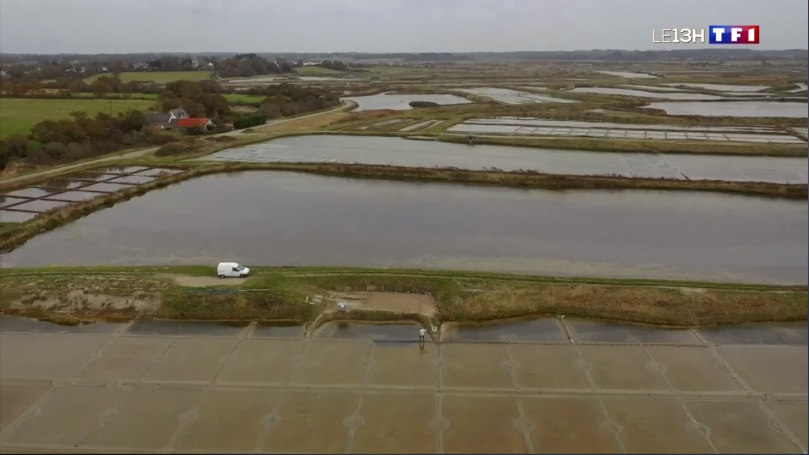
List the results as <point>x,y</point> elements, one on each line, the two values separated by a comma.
<point>240,267</point>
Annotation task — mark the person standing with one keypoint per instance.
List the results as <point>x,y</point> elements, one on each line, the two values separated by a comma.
<point>422,335</point>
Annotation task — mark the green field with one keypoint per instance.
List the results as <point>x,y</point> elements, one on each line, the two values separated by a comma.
<point>231,97</point>
<point>19,115</point>
<point>243,98</point>
<point>160,77</point>
<point>145,96</point>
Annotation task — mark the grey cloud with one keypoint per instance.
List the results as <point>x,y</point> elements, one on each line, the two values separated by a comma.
<point>120,26</point>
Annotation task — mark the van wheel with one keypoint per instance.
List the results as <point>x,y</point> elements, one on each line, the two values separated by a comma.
<point>221,276</point>
<point>241,276</point>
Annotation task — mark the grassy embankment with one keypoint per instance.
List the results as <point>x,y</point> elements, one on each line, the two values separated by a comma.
<point>160,77</point>
<point>19,115</point>
<point>73,294</point>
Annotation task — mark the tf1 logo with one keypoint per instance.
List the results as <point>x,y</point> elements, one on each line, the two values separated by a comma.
<point>733,34</point>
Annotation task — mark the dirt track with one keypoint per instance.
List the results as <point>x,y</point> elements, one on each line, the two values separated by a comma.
<point>205,281</point>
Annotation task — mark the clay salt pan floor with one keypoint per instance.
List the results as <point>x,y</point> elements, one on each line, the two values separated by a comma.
<point>562,386</point>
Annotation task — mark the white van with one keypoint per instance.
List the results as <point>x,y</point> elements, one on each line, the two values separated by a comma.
<point>231,269</point>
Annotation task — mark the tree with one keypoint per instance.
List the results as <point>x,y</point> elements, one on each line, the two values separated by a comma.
<point>101,87</point>
<point>193,108</point>
<point>270,110</point>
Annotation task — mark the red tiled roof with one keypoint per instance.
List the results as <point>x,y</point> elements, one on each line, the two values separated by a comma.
<point>189,122</point>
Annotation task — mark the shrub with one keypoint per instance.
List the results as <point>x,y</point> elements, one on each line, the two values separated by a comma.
<point>174,148</point>
<point>246,121</point>
<point>423,104</point>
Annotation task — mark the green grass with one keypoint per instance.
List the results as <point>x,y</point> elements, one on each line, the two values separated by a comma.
<point>231,97</point>
<point>279,293</point>
<point>315,70</point>
<point>19,115</point>
<point>237,98</point>
<point>160,77</point>
<point>145,96</point>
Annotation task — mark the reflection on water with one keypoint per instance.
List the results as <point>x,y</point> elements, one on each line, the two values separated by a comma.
<point>402,101</point>
<point>733,109</point>
<point>403,152</point>
<point>277,218</point>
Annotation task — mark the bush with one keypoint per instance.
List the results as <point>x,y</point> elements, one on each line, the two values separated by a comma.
<point>423,104</point>
<point>246,121</point>
<point>173,149</point>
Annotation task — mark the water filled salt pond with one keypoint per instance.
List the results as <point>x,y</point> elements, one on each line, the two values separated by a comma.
<point>721,87</point>
<point>733,109</point>
<point>642,94</point>
<point>416,153</point>
<point>628,75</point>
<point>401,102</point>
<point>277,218</point>
<point>509,96</point>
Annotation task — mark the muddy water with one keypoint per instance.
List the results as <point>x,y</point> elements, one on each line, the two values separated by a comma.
<point>403,152</point>
<point>733,109</point>
<point>275,218</point>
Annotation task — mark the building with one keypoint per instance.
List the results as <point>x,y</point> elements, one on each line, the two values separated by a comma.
<point>158,120</point>
<point>177,114</point>
<point>187,123</point>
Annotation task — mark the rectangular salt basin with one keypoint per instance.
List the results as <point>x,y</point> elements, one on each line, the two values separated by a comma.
<point>62,183</point>
<point>76,196</point>
<point>133,179</point>
<point>32,192</point>
<point>403,152</point>
<point>642,94</point>
<point>6,201</point>
<point>39,205</point>
<point>107,187</point>
<point>733,109</point>
<point>626,126</point>
<point>335,221</point>
<point>8,216</point>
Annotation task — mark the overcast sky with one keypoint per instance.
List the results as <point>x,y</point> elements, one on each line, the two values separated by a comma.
<point>125,26</point>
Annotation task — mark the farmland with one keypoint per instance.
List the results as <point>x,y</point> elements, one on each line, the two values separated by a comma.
<point>18,116</point>
<point>160,77</point>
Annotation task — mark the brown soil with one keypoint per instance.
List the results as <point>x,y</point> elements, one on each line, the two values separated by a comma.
<point>388,301</point>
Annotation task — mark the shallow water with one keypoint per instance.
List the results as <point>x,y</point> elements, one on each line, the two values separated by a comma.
<point>403,152</point>
<point>629,75</point>
<point>734,109</point>
<point>642,94</point>
<point>721,87</point>
<point>509,96</point>
<point>401,102</point>
<point>277,218</point>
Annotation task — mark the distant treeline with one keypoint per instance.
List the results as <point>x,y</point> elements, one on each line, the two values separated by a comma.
<point>593,54</point>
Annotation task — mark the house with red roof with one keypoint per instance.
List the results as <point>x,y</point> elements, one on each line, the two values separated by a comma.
<point>191,122</point>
